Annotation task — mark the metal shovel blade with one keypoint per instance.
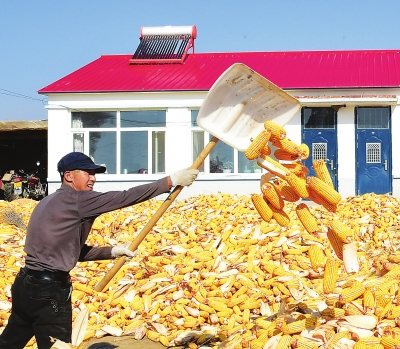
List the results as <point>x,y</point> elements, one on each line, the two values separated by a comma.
<point>240,102</point>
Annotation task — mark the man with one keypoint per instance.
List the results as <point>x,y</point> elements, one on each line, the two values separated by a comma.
<point>55,242</point>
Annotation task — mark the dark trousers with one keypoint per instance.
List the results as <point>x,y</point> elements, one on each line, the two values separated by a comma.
<point>40,308</point>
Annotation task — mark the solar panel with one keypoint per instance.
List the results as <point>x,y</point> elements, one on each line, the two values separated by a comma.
<point>164,45</point>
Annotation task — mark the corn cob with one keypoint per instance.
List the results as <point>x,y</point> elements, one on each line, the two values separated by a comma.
<point>324,190</point>
<point>280,216</point>
<point>272,166</point>
<point>271,194</point>
<point>322,172</point>
<point>342,232</point>
<point>304,151</point>
<point>360,345</point>
<point>370,341</point>
<point>333,312</point>
<point>266,150</point>
<point>286,145</point>
<point>299,325</point>
<point>289,194</point>
<point>295,166</point>
<point>368,301</point>
<point>276,130</point>
<point>336,338</point>
<point>306,218</point>
<point>297,184</point>
<point>263,209</point>
<point>281,154</point>
<point>351,293</point>
<point>390,342</point>
<point>317,257</point>
<point>318,199</point>
<point>284,342</point>
<point>302,343</point>
<point>331,275</point>
<point>258,143</point>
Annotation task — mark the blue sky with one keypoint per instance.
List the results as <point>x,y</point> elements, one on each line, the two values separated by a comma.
<point>43,40</point>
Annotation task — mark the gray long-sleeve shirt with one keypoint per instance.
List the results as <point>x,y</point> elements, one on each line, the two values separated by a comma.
<point>60,224</point>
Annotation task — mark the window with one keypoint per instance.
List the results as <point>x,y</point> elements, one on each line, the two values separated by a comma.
<point>373,117</point>
<point>223,157</point>
<point>319,117</point>
<point>125,142</point>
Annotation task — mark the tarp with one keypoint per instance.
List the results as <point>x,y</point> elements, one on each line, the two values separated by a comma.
<point>19,125</point>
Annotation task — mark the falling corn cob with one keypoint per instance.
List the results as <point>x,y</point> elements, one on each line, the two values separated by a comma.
<point>266,150</point>
<point>286,145</point>
<point>272,166</point>
<point>342,232</point>
<point>297,184</point>
<point>324,190</point>
<point>276,130</point>
<point>304,151</point>
<point>306,218</point>
<point>280,216</point>
<point>289,194</point>
<point>322,172</point>
<point>318,199</point>
<point>258,143</point>
<point>272,195</point>
<point>296,167</point>
<point>336,243</point>
<point>262,207</point>
<point>331,275</point>
<point>281,154</point>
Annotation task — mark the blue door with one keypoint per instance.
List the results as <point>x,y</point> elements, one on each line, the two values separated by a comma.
<point>373,152</point>
<point>319,133</point>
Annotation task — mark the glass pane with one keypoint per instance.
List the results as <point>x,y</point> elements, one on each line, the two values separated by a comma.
<point>95,119</point>
<point>194,114</point>
<point>370,117</point>
<point>221,158</point>
<point>143,118</point>
<point>134,154</point>
<point>103,150</point>
<point>245,165</point>
<point>78,142</point>
<point>318,118</point>
<point>158,154</point>
<point>198,146</point>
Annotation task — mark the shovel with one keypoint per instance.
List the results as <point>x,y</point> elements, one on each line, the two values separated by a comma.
<point>234,111</point>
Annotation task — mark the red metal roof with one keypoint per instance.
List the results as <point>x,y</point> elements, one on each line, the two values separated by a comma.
<point>288,70</point>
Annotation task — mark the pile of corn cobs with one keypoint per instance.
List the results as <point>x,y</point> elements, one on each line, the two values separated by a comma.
<point>213,274</point>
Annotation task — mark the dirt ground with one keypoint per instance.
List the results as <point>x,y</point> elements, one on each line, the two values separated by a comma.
<point>110,342</point>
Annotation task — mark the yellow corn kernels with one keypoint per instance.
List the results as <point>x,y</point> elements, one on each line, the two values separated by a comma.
<point>276,130</point>
<point>306,218</point>
<point>341,231</point>
<point>331,275</point>
<point>258,143</point>
<point>263,209</point>
<point>322,172</point>
<point>324,190</point>
<point>271,194</point>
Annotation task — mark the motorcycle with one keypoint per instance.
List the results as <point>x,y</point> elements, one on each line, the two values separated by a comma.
<point>18,184</point>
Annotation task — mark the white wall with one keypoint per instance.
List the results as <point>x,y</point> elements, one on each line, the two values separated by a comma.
<point>346,151</point>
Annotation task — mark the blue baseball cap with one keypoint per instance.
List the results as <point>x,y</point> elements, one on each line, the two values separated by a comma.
<point>78,161</point>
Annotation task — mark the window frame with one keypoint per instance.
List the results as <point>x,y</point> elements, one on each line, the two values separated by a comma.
<point>118,130</point>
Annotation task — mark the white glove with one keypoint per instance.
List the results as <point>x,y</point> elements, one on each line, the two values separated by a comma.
<point>119,251</point>
<point>184,177</point>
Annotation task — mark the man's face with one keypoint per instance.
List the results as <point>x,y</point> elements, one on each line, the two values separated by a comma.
<point>81,179</point>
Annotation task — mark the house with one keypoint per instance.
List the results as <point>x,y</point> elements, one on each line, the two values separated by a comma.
<point>136,113</point>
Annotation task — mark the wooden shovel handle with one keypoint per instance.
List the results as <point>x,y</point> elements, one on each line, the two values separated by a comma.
<point>153,220</point>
